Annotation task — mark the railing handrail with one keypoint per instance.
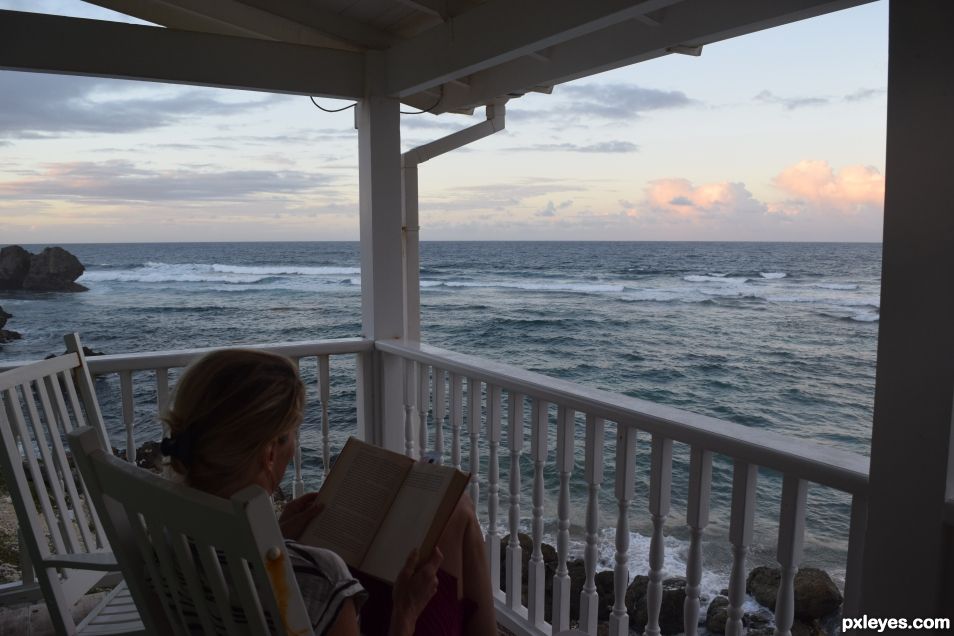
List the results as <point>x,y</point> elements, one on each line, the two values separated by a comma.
<point>169,359</point>
<point>805,459</point>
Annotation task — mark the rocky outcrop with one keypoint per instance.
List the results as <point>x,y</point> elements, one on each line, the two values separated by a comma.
<point>816,595</point>
<point>5,335</point>
<point>14,265</point>
<point>53,269</point>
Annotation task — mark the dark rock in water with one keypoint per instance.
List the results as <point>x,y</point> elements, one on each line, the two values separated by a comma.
<point>86,352</point>
<point>717,615</point>
<point>816,595</point>
<point>526,551</point>
<point>670,613</point>
<point>807,628</point>
<point>605,591</point>
<point>54,269</point>
<point>14,265</point>
<point>6,335</point>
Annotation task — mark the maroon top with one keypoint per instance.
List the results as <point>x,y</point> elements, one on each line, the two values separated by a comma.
<point>445,614</point>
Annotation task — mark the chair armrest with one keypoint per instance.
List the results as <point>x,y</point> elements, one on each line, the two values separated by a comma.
<point>99,561</point>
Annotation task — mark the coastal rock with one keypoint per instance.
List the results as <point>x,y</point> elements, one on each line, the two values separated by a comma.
<point>54,269</point>
<point>671,610</point>
<point>14,265</point>
<point>5,335</point>
<point>717,615</point>
<point>86,352</point>
<point>816,595</point>
<point>526,551</point>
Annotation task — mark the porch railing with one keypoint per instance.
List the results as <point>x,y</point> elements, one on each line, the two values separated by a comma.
<point>456,389</point>
<point>434,376</point>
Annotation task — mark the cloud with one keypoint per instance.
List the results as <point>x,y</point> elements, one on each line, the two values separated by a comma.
<point>814,186</point>
<point>119,181</point>
<point>549,210</point>
<point>42,106</point>
<point>608,147</point>
<point>864,93</point>
<point>790,103</point>
<point>612,102</point>
<point>678,198</point>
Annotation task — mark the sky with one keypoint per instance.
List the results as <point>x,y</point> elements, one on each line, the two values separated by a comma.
<point>774,136</point>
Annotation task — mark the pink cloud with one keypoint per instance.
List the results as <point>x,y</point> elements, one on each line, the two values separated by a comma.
<point>816,186</point>
<point>680,199</point>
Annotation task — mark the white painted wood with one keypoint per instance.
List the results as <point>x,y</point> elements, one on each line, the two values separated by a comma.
<point>791,534</point>
<point>515,436</point>
<point>624,490</point>
<point>411,421</point>
<point>63,540</point>
<point>492,538</point>
<point>440,390</point>
<point>473,427</point>
<point>126,392</point>
<point>740,536</point>
<point>912,455</point>
<point>593,473</point>
<point>382,246</point>
<point>430,58</point>
<point>423,404</point>
<point>813,462</point>
<point>856,545</point>
<point>564,466</point>
<point>456,416</point>
<point>184,517</point>
<point>324,394</point>
<point>697,518</point>
<point>47,43</point>
<point>412,250</point>
<point>539,420</point>
<point>660,488</point>
<point>298,485</point>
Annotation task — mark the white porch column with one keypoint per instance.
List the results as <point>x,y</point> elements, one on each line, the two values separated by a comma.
<point>382,261</point>
<point>905,565</point>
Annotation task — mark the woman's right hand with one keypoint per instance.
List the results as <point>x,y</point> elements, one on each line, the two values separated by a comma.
<point>414,587</point>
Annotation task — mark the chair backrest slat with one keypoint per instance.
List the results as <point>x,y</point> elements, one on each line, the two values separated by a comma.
<point>56,415</point>
<point>40,493</point>
<point>186,565</point>
<point>46,435</point>
<point>219,587</point>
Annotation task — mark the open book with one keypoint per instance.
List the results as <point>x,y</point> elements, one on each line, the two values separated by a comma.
<point>379,505</point>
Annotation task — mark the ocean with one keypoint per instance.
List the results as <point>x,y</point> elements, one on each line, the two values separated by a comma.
<point>780,336</point>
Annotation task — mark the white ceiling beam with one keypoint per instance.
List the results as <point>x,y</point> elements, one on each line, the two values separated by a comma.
<point>690,23</point>
<point>333,24</point>
<point>74,46</point>
<point>225,17</point>
<point>496,32</point>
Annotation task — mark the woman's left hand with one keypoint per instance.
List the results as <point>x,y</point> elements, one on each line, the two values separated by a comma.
<point>298,513</point>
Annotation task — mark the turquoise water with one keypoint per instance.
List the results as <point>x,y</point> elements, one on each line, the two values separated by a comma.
<point>779,336</point>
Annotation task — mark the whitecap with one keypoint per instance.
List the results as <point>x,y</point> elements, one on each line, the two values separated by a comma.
<point>585,288</point>
<point>696,278</point>
<point>164,277</point>
<point>278,270</point>
<point>837,286</point>
<point>773,275</point>
<point>866,316</point>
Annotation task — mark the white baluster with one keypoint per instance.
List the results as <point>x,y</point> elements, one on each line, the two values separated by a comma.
<point>791,533</point>
<point>561,580</point>
<point>625,488</point>
<point>162,403</point>
<point>456,416</point>
<point>439,379</point>
<point>492,540</point>
<point>410,406</point>
<point>660,488</point>
<point>473,427</point>
<point>324,394</point>
<point>593,472</point>
<point>697,517</point>
<point>423,399</point>
<point>856,546</point>
<point>126,389</point>
<point>514,553</point>
<point>536,571</point>
<point>740,535</point>
<point>298,487</point>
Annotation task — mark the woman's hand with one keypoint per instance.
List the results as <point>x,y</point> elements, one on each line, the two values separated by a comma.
<point>414,587</point>
<point>297,514</point>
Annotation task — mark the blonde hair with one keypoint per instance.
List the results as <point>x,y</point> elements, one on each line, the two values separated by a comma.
<point>228,406</point>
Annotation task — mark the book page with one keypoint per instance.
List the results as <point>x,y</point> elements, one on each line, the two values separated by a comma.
<point>410,519</point>
<point>357,495</point>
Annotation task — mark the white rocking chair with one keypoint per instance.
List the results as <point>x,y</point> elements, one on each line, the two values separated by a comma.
<point>195,563</point>
<point>39,404</point>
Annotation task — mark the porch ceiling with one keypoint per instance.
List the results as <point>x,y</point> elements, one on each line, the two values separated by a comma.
<point>446,55</point>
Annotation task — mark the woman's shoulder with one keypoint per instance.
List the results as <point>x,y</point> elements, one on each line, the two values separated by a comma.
<point>309,557</point>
